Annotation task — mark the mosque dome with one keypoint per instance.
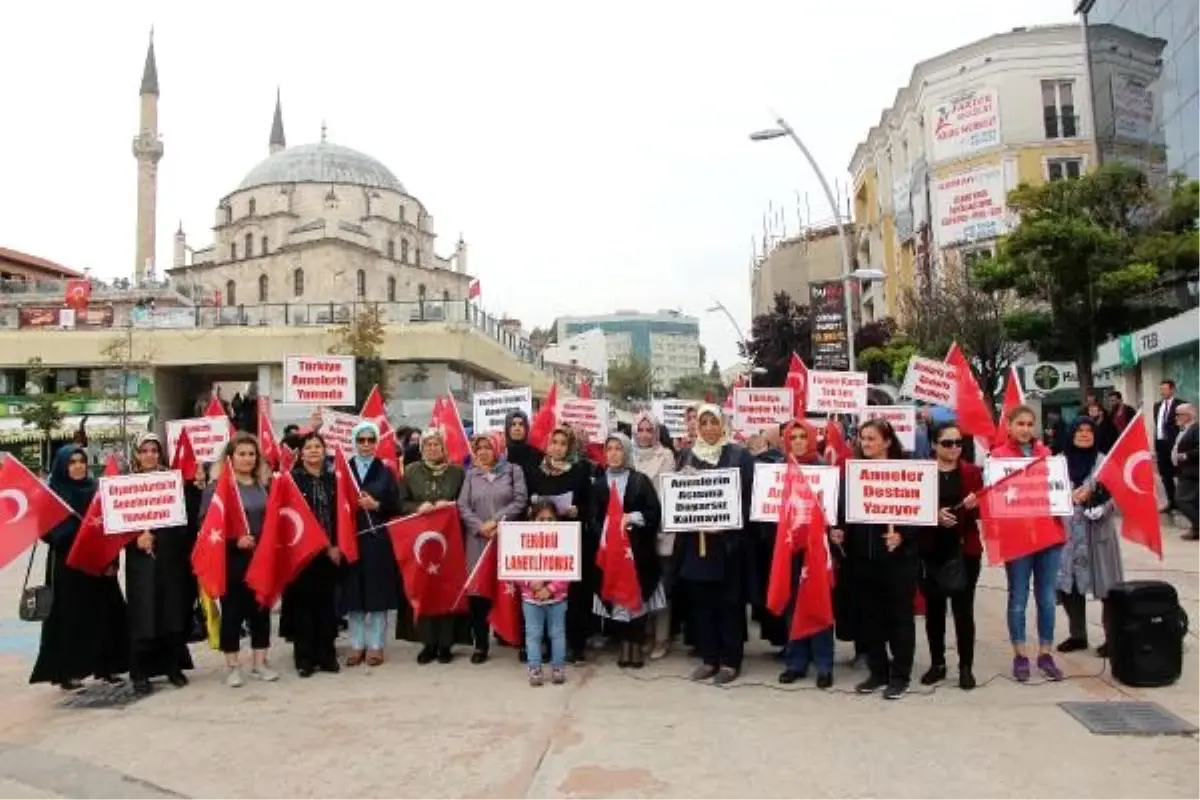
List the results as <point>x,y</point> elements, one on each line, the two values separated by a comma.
<point>323,162</point>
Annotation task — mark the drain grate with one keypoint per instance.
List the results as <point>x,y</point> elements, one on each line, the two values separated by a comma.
<point>1128,719</point>
<point>103,695</point>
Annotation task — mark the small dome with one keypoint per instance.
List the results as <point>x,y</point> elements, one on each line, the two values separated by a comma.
<point>323,162</point>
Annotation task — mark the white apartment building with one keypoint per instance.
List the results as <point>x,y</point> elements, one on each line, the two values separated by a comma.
<point>588,350</point>
<point>667,340</point>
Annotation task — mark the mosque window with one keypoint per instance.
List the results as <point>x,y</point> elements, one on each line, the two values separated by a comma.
<point>298,282</point>
<point>421,292</point>
<point>249,245</point>
<point>391,249</point>
<point>362,283</point>
<point>262,288</point>
<point>233,251</point>
<point>253,206</point>
<point>445,295</point>
<point>230,293</point>
<point>401,214</point>
<point>264,243</point>
<point>404,251</point>
<point>391,289</point>
<point>418,260</point>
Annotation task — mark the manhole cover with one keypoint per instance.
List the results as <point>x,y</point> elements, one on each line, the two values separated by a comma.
<point>103,695</point>
<point>1128,718</point>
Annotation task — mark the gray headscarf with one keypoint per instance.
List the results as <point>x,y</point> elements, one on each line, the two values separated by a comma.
<point>620,475</point>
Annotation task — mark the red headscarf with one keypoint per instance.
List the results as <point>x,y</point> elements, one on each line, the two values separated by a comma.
<point>810,455</point>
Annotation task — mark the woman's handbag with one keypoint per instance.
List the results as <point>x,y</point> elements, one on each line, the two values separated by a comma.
<point>35,600</point>
<point>950,576</point>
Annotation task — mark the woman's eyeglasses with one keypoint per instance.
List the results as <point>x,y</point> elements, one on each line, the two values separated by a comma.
<point>950,443</point>
<point>365,440</point>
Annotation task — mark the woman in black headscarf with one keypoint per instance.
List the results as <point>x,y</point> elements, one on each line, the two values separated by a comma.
<point>518,451</point>
<point>87,632</point>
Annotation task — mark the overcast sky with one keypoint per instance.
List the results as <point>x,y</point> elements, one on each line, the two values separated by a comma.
<point>593,161</point>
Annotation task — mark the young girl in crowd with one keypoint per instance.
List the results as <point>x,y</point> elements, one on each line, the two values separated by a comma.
<point>544,607</point>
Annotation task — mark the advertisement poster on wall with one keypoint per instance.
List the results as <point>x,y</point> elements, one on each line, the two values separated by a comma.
<point>969,206</point>
<point>828,308</point>
<point>1133,108</point>
<point>965,124</point>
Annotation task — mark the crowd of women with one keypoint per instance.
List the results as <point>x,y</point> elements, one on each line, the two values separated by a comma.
<point>695,587</point>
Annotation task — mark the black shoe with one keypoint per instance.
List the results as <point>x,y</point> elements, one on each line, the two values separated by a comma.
<point>725,675</point>
<point>1072,644</point>
<point>703,672</point>
<point>824,680</point>
<point>935,674</point>
<point>427,655</point>
<point>966,679</point>
<point>445,655</point>
<point>177,679</point>
<point>792,675</point>
<point>1190,536</point>
<point>142,686</point>
<point>330,665</point>
<point>479,657</point>
<point>895,690</point>
<point>622,663</point>
<point>304,672</point>
<point>871,685</point>
<point>639,664</point>
<point>1102,650</point>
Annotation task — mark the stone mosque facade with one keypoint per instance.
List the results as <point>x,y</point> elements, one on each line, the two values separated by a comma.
<point>312,224</point>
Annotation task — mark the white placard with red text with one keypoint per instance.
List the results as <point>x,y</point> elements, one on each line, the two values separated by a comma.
<point>836,392</point>
<point>673,414</point>
<point>144,501</point>
<point>490,409</point>
<point>1061,502</point>
<point>902,418</point>
<point>207,434</point>
<point>931,381</point>
<point>540,551</point>
<point>767,493</point>
<point>881,491</point>
<point>319,380</point>
<point>755,410</point>
<point>335,430</point>
<point>587,415</point>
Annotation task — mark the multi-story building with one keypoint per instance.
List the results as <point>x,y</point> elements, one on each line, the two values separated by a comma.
<point>667,340</point>
<point>587,350</point>
<point>932,178</point>
<point>792,264</point>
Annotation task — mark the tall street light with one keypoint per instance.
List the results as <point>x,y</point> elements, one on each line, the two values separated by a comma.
<point>741,338</point>
<point>849,274</point>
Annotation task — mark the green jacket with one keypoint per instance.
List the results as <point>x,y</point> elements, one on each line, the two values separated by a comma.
<point>422,486</point>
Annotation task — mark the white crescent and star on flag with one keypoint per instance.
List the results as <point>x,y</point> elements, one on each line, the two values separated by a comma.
<point>418,543</point>
<point>1130,465</point>
<point>293,516</point>
<point>20,500</point>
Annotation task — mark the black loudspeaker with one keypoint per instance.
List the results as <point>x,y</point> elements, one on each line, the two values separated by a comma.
<point>1145,626</point>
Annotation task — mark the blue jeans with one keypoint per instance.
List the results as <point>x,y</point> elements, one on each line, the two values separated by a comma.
<point>816,649</point>
<point>367,630</point>
<point>1042,568</point>
<point>539,618</point>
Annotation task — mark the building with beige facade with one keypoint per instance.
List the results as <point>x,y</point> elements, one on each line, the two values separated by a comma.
<point>792,264</point>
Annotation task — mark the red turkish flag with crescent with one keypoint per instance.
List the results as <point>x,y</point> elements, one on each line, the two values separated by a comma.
<point>797,381</point>
<point>1128,474</point>
<point>505,616</point>
<point>373,410</point>
<point>429,550</point>
<point>1014,514</point>
<point>266,434</point>
<point>28,509</point>
<point>225,519</point>
<point>291,537</point>
<point>1013,396</point>
<point>973,413</point>
<point>837,451</point>
<point>619,581</point>
<point>93,550</point>
<point>346,518</point>
<point>543,422</point>
<point>79,291</point>
<point>184,457</point>
<point>445,416</point>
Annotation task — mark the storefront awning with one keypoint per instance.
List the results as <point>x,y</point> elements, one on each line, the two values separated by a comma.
<point>99,426</point>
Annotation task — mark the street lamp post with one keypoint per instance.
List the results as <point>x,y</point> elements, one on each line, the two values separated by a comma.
<point>849,274</point>
<point>719,306</point>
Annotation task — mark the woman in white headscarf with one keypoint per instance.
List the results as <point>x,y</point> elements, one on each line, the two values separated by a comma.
<point>718,566</point>
<point>652,459</point>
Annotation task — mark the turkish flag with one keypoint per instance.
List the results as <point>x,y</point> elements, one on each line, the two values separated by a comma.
<point>473,290</point>
<point>429,550</point>
<point>973,414</point>
<point>94,550</point>
<point>1014,514</point>
<point>373,410</point>
<point>184,457</point>
<point>215,409</point>
<point>266,434</point>
<point>585,390</point>
<point>224,520</point>
<point>505,616</point>
<point>291,537</point>
<point>837,451</point>
<point>28,509</point>
<point>388,453</point>
<point>801,519</point>
<point>797,381</point>
<point>1013,397</point>
<point>1132,489</point>
<point>543,422</point>
<point>79,291</point>
<point>813,612</point>
<point>346,519</point>
<point>287,458</point>
<point>445,417</point>
<point>619,581</point>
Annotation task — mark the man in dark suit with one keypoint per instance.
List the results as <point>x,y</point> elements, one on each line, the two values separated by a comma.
<point>1186,459</point>
<point>1165,432</point>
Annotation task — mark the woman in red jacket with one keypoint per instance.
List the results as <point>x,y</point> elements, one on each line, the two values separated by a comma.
<point>951,557</point>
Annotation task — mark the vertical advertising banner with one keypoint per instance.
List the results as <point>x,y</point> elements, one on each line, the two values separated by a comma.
<point>827,304</point>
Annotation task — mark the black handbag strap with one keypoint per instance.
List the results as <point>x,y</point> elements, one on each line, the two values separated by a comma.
<point>29,567</point>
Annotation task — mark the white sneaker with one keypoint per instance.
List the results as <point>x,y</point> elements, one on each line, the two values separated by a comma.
<point>234,679</point>
<point>265,673</point>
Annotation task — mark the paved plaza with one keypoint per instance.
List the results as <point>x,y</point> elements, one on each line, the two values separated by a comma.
<point>467,731</point>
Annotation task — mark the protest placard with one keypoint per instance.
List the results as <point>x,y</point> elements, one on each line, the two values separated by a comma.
<point>585,415</point>
<point>896,492</point>
<point>836,392</point>
<point>208,435</point>
<point>540,551</point>
<point>335,429</point>
<point>673,414</point>
<point>323,380</point>
<point>767,493</point>
<point>902,418</point>
<point>143,501</point>
<point>491,408</point>
<point>1061,504</point>
<point>707,500</point>
<point>756,410</point>
<point>931,381</point>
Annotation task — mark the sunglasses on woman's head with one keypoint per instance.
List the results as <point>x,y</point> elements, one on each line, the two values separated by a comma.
<point>950,443</point>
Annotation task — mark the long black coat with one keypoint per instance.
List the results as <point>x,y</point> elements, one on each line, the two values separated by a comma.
<point>373,582</point>
<point>643,539</point>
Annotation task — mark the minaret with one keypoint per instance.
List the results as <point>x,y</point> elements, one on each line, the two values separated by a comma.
<point>147,149</point>
<point>278,142</point>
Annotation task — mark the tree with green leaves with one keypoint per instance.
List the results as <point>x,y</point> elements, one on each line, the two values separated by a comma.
<point>631,378</point>
<point>700,386</point>
<point>1088,252</point>
<point>362,337</point>
<point>774,335</point>
<point>43,411</point>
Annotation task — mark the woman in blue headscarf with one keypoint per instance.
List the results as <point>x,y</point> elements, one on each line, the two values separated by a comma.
<point>371,585</point>
<point>87,632</point>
